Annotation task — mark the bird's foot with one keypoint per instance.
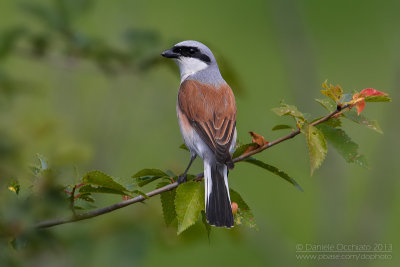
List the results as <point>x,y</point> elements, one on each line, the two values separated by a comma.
<point>182,179</point>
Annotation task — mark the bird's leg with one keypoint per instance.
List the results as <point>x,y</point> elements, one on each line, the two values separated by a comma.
<point>182,178</point>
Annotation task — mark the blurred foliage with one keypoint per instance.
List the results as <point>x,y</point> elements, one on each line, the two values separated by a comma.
<point>50,35</point>
<point>42,194</point>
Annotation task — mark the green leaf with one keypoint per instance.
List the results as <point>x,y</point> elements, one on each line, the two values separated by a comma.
<point>147,176</point>
<point>344,145</point>
<point>281,127</point>
<point>149,172</point>
<point>377,98</point>
<point>241,149</point>
<point>138,192</point>
<point>184,147</point>
<point>168,204</point>
<point>333,92</point>
<point>170,173</point>
<point>361,119</point>
<point>244,215</point>
<point>81,204</point>
<point>274,170</point>
<point>189,201</point>
<point>289,110</point>
<point>142,181</point>
<point>100,190</point>
<point>206,224</point>
<point>328,104</point>
<point>316,146</point>
<point>87,197</point>
<point>333,122</point>
<point>101,179</point>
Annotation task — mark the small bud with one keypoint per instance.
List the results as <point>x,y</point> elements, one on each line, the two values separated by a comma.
<point>125,197</point>
<point>235,207</point>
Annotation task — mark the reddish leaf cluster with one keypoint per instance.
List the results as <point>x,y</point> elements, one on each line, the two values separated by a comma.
<point>359,98</point>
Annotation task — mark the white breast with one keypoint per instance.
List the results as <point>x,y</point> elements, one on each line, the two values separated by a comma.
<point>189,66</point>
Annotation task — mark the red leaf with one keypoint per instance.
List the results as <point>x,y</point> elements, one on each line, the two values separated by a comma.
<point>371,91</point>
<point>360,106</point>
<point>258,139</point>
<point>360,103</point>
<point>359,98</point>
<point>235,207</point>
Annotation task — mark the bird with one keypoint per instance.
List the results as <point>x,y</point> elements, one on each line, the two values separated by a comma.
<point>206,111</point>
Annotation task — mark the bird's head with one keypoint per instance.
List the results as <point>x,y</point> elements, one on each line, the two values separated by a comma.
<point>191,56</point>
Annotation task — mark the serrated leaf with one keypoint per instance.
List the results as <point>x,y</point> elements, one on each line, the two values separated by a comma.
<point>333,92</point>
<point>147,176</point>
<point>138,192</point>
<point>289,110</point>
<point>244,215</point>
<point>189,201</point>
<point>328,104</point>
<point>87,197</point>
<point>101,179</point>
<point>149,172</point>
<point>361,119</point>
<point>282,127</point>
<point>333,122</point>
<point>241,149</point>
<point>377,98</point>
<point>344,145</point>
<point>316,144</point>
<point>274,170</point>
<point>373,95</point>
<point>206,224</point>
<point>142,181</point>
<point>168,204</point>
<point>100,190</point>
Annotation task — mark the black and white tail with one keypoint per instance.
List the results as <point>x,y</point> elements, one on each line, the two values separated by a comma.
<point>218,203</point>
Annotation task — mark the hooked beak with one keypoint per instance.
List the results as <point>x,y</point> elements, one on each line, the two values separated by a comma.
<point>169,54</point>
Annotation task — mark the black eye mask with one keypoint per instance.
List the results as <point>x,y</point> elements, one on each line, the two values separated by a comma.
<point>194,52</point>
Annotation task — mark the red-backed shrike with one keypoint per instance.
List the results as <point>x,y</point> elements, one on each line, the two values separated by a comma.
<point>206,112</point>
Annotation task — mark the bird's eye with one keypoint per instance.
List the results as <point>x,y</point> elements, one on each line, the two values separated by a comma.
<point>192,51</point>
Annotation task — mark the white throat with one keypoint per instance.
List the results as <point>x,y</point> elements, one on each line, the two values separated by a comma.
<point>189,66</point>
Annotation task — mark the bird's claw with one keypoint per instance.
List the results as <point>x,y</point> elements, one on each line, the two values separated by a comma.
<point>182,179</point>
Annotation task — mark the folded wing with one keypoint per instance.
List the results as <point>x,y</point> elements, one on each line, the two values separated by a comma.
<point>212,113</point>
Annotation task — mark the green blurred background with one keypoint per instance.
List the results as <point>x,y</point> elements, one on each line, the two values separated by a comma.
<point>92,92</point>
